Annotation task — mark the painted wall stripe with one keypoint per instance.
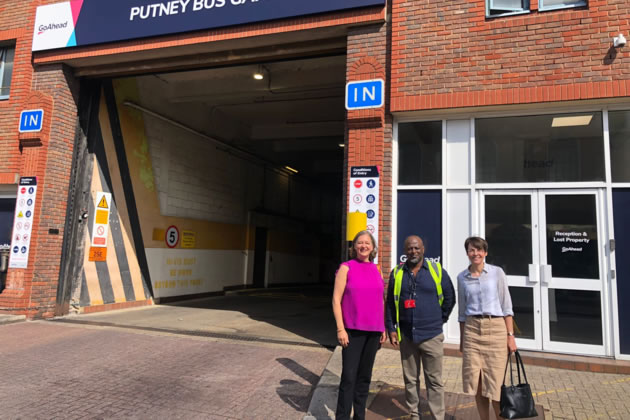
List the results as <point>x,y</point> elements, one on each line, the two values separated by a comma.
<point>119,145</point>
<point>139,288</point>
<point>84,300</point>
<point>116,256</point>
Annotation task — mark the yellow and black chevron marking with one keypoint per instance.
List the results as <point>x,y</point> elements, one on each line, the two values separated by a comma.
<point>119,278</point>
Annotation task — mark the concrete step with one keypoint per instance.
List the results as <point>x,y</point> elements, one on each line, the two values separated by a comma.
<point>10,319</point>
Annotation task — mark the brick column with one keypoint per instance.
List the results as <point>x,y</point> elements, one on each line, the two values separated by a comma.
<point>369,131</point>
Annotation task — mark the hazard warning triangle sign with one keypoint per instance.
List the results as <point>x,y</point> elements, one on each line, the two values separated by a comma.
<point>103,203</point>
<point>20,214</point>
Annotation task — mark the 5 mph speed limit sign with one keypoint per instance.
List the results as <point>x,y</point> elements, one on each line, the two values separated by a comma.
<point>172,237</point>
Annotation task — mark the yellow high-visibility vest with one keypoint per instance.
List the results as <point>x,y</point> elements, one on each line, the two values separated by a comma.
<point>398,276</point>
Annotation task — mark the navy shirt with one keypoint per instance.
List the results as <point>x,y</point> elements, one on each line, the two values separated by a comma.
<point>425,320</point>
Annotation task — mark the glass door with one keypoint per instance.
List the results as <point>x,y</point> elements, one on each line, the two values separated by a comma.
<point>548,244</point>
<point>572,274</point>
<point>510,225</point>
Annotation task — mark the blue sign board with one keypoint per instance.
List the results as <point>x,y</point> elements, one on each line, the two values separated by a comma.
<point>31,120</point>
<point>87,22</point>
<point>365,94</point>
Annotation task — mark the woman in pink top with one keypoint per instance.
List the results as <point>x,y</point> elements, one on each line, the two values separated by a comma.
<point>359,313</point>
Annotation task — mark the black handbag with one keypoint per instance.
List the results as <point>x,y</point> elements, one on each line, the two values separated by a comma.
<point>516,401</point>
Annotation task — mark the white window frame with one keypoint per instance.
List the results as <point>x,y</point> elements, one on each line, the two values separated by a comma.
<point>576,3</point>
<point>3,52</point>
<point>490,7</point>
<point>611,316</point>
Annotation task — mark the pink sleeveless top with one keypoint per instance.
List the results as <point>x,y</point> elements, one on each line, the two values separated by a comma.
<point>362,302</point>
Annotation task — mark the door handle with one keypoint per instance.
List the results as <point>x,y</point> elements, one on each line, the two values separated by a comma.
<point>546,274</point>
<point>534,273</point>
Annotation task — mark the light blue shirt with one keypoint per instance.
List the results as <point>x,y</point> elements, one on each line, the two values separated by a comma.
<point>484,295</point>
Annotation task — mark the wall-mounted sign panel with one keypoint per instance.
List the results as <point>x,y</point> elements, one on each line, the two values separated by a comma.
<point>88,22</point>
<point>365,94</point>
<point>31,121</point>
<point>23,222</point>
<point>364,195</point>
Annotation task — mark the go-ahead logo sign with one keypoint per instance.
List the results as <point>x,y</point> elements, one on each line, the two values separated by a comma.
<point>89,22</point>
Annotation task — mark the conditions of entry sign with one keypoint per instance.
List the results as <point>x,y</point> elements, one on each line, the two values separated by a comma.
<point>364,195</point>
<point>23,222</point>
<point>365,94</point>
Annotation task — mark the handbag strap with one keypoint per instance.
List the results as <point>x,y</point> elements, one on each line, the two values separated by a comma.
<point>509,362</point>
<point>519,362</point>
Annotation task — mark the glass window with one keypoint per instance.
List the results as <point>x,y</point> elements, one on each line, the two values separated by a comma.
<point>6,70</point>
<point>619,128</point>
<point>7,210</point>
<point>502,7</point>
<point>509,232</point>
<point>559,4</point>
<point>420,153</point>
<point>575,316</point>
<point>542,148</point>
<point>572,245</point>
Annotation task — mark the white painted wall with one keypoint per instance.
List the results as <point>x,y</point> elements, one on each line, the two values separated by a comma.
<point>194,179</point>
<point>195,270</point>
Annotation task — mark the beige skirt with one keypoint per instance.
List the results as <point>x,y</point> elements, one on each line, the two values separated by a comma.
<point>485,356</point>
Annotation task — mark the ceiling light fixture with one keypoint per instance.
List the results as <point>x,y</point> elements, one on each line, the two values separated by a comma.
<point>259,75</point>
<point>572,121</point>
<point>342,145</point>
<point>288,168</point>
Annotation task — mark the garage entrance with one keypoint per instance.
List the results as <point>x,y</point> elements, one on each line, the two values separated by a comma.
<point>222,178</point>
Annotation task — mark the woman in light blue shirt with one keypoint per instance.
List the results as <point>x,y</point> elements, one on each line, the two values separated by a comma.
<point>485,324</point>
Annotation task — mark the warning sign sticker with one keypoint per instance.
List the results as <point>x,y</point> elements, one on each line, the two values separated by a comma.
<point>100,227</point>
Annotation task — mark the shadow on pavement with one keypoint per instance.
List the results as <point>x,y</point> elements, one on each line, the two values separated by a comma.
<point>290,315</point>
<point>301,311</point>
<point>390,404</point>
<point>296,394</point>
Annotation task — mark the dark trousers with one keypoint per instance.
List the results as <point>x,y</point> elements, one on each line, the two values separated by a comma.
<point>356,374</point>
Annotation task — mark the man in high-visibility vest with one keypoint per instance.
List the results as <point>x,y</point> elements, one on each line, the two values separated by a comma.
<point>420,298</point>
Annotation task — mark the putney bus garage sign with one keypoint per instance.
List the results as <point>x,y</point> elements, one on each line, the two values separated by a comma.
<point>88,22</point>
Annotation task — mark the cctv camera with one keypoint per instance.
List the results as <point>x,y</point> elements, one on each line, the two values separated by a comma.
<point>619,41</point>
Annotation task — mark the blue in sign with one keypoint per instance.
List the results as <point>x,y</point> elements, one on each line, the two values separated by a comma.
<point>31,120</point>
<point>365,94</point>
<point>29,202</point>
<point>371,214</point>
<point>31,190</point>
<point>15,249</point>
<point>371,183</point>
<point>23,250</point>
<point>28,214</point>
<point>370,199</point>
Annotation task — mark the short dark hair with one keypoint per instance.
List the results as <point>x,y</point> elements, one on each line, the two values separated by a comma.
<point>353,251</point>
<point>477,243</point>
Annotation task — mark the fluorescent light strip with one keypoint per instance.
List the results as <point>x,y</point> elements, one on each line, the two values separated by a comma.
<point>573,121</point>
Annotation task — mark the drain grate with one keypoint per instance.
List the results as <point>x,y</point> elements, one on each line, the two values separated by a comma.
<point>196,333</point>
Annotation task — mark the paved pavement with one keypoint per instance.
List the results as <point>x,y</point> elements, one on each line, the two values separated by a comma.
<point>563,394</point>
<point>262,355</point>
<point>65,371</point>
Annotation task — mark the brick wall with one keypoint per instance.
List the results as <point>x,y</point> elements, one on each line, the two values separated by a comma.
<point>447,54</point>
<point>369,132</point>
<point>47,155</point>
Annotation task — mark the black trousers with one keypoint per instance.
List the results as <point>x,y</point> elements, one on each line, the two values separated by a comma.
<point>356,374</point>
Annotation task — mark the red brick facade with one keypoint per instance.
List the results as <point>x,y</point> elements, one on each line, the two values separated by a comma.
<point>447,54</point>
<point>432,55</point>
<point>46,155</point>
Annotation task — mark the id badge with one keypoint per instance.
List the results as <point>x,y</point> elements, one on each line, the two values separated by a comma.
<point>410,303</point>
